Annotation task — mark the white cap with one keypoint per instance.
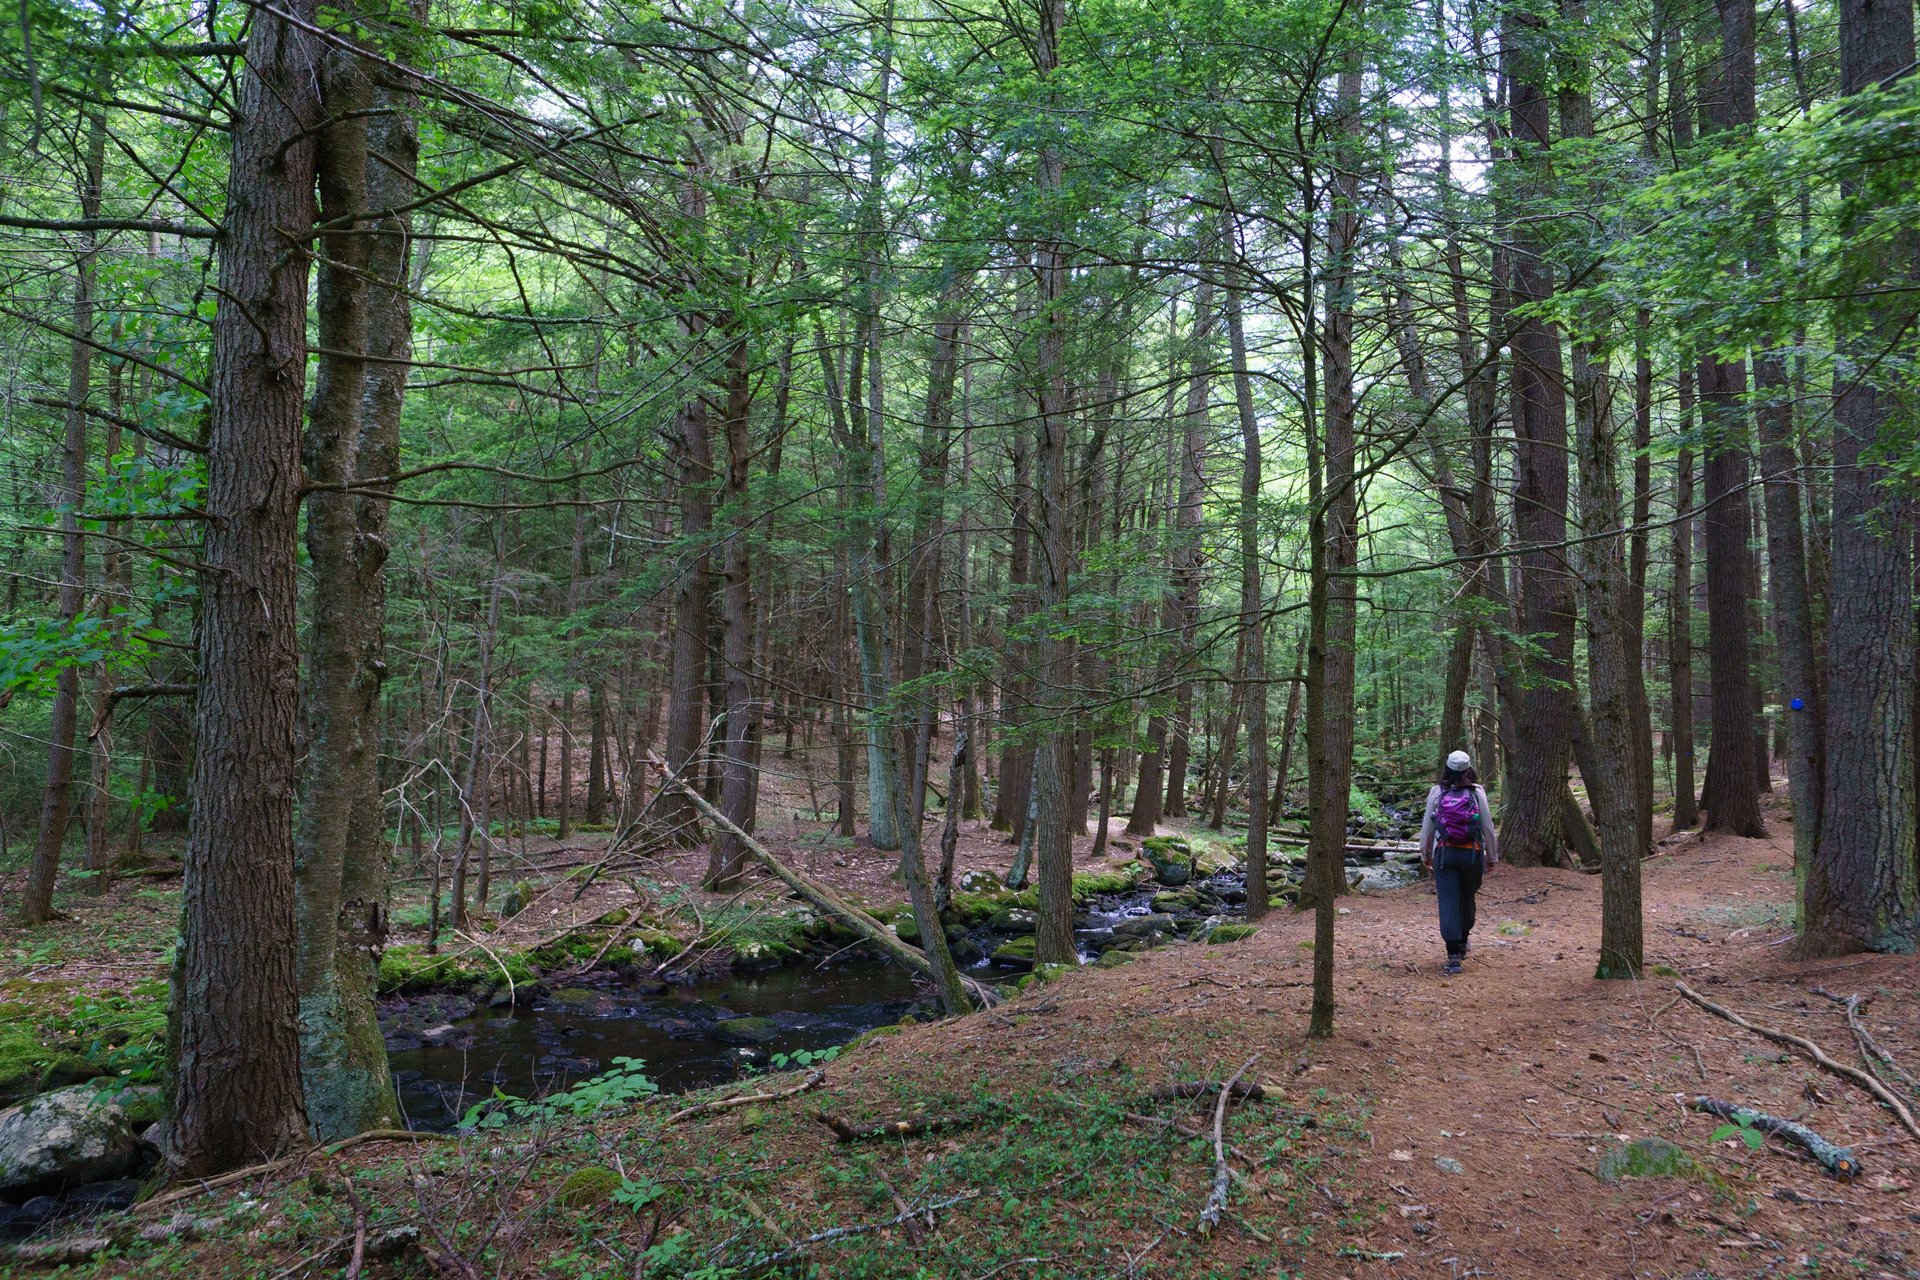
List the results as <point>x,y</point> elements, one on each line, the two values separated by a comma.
<point>1459,760</point>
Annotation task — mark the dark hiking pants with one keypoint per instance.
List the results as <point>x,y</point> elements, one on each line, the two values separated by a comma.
<point>1456,878</point>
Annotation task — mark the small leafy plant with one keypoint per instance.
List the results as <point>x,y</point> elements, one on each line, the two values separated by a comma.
<point>1742,1129</point>
<point>627,1083</point>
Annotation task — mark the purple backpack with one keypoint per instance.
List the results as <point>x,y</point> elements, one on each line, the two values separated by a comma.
<point>1457,817</point>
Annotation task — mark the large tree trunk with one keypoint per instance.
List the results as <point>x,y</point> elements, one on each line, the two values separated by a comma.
<point>726,855</point>
<point>235,1043</point>
<point>1729,795</point>
<point>342,862</point>
<point>1863,890</point>
<point>1053,762</point>
<point>1537,770</point>
<point>1611,771</point>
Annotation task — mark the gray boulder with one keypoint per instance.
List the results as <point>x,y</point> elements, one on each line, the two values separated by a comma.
<point>64,1138</point>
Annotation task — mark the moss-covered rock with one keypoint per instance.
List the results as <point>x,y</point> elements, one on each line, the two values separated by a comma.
<point>615,918</point>
<point>974,908</point>
<point>1015,953</point>
<point>1013,920</point>
<point>980,882</point>
<point>741,1031</point>
<point>1183,899</point>
<point>589,1187</point>
<point>1090,884</point>
<point>1644,1158</point>
<point>1230,932</point>
<point>1114,959</point>
<point>574,997</point>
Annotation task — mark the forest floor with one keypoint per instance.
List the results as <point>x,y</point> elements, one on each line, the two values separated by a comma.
<point>1451,1128</point>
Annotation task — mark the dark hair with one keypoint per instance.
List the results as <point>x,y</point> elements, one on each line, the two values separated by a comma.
<point>1452,778</point>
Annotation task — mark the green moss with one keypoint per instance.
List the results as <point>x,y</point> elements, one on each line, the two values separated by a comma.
<point>1114,959</point>
<point>1644,1158</point>
<point>1231,932</point>
<point>408,969</point>
<point>1087,884</point>
<point>615,918</point>
<point>1016,951</point>
<point>973,908</point>
<point>588,1187</point>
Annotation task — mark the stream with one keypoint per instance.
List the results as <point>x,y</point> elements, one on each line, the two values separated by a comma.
<point>688,1034</point>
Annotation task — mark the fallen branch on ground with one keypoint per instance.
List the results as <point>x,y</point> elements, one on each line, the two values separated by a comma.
<point>842,1233</point>
<point>1887,1097</point>
<point>285,1162</point>
<point>1246,1090</point>
<point>1222,1173</point>
<point>820,895</point>
<point>847,1131</point>
<point>1870,1049</point>
<point>813,1081</point>
<point>1836,1160</point>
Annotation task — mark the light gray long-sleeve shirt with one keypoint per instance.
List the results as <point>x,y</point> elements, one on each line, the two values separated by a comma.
<point>1489,838</point>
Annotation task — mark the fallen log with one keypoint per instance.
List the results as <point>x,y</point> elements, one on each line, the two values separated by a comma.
<point>813,1081</point>
<point>846,1131</point>
<point>285,1162</point>
<point>1245,1090</point>
<point>821,896</point>
<point>1836,1160</point>
<point>1886,1096</point>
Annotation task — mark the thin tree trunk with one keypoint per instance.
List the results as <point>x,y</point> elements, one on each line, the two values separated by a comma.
<point>1253,622</point>
<point>727,857</point>
<point>56,805</point>
<point>1335,536</point>
<point>1186,548</point>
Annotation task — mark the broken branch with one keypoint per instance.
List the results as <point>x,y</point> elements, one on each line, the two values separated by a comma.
<point>1836,1160</point>
<point>1886,1096</point>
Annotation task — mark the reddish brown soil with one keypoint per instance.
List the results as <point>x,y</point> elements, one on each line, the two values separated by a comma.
<point>1520,1070</point>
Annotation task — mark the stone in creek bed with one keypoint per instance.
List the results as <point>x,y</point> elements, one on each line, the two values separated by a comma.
<point>1013,920</point>
<point>681,1029</point>
<point>745,1030</point>
<point>1142,926</point>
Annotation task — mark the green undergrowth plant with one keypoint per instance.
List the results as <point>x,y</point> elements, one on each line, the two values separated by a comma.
<point>52,1033</point>
<point>621,1087</point>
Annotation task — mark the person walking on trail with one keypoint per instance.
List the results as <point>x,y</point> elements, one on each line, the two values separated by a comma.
<point>1457,844</point>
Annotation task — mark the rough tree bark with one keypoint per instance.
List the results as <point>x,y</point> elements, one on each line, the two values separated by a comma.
<point>1863,890</point>
<point>235,1044</point>
<point>1731,800</point>
<point>1537,771</point>
<point>366,162</point>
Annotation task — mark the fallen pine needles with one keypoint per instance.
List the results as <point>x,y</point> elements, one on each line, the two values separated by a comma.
<point>1886,1096</point>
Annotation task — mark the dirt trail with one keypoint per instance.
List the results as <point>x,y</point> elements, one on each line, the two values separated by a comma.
<point>1519,1071</point>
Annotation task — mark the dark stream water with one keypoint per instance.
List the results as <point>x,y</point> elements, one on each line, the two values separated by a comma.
<point>446,1057</point>
<point>680,1033</point>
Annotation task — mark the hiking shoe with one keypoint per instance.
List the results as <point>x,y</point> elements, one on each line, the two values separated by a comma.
<point>1453,965</point>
